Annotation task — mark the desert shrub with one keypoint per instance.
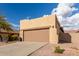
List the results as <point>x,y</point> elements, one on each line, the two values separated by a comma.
<point>4,37</point>
<point>14,37</point>
<point>9,37</point>
<point>59,50</point>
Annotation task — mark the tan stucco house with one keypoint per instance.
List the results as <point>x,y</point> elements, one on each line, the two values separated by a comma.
<point>43,29</point>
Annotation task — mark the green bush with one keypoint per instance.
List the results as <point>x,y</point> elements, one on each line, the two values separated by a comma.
<point>59,50</point>
<point>9,37</point>
<point>14,37</point>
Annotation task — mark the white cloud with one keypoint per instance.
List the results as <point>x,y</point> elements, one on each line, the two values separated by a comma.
<point>45,15</point>
<point>14,25</point>
<point>74,17</point>
<point>64,9</point>
<point>64,13</point>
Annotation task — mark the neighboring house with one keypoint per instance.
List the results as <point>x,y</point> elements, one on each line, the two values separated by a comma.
<point>43,29</point>
<point>4,34</point>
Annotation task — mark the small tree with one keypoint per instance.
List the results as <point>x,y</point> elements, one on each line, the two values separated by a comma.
<point>5,25</point>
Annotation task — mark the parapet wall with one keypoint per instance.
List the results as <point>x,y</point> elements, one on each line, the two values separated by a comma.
<point>38,22</point>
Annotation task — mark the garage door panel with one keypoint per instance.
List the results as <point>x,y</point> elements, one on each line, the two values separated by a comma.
<point>37,35</point>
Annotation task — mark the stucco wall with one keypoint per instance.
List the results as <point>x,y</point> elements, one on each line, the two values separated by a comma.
<point>74,37</point>
<point>38,22</point>
<point>43,22</point>
<point>21,34</point>
<point>53,36</point>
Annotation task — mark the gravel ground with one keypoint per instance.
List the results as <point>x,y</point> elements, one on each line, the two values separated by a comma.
<point>48,50</point>
<point>71,49</point>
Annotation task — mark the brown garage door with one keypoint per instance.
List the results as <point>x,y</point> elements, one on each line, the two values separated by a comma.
<point>40,35</point>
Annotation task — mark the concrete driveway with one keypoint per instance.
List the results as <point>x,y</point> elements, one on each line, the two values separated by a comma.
<point>20,48</point>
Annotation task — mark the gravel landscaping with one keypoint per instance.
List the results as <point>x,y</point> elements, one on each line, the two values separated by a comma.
<point>48,50</point>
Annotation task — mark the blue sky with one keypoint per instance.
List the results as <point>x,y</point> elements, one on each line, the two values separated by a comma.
<point>14,12</point>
